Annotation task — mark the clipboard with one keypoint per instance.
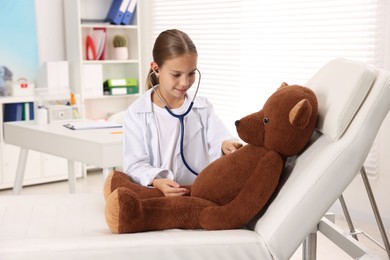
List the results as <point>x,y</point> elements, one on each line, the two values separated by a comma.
<point>91,125</point>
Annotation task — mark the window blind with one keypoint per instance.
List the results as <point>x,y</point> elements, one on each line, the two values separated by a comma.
<point>247,48</point>
<point>289,40</point>
<point>214,27</point>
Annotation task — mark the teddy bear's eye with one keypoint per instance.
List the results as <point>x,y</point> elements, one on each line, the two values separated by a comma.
<point>266,120</point>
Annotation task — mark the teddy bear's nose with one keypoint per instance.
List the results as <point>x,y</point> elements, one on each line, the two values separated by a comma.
<point>237,122</point>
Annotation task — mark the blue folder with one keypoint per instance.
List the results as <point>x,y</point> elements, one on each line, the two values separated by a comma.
<point>117,10</point>
<point>130,11</point>
<point>17,111</point>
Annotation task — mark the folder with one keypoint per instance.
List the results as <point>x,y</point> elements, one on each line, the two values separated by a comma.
<point>99,39</point>
<point>26,111</point>
<point>13,112</point>
<point>121,86</point>
<point>125,82</point>
<point>18,111</point>
<point>117,11</point>
<point>96,44</point>
<point>90,47</point>
<point>84,125</point>
<point>129,14</point>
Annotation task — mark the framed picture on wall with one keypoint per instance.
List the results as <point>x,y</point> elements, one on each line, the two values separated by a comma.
<point>18,43</point>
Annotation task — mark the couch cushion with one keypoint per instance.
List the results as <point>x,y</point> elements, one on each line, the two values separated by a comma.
<point>341,86</point>
<point>72,226</point>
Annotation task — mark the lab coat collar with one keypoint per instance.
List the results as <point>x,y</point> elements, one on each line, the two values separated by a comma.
<point>144,104</point>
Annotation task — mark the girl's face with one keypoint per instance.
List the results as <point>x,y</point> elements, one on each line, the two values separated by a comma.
<point>176,76</point>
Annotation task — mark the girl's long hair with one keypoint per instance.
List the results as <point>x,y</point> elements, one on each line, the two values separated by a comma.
<point>168,45</point>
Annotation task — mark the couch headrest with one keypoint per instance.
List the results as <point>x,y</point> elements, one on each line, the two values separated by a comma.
<point>341,86</point>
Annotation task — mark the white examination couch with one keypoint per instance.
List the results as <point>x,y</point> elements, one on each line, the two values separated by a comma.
<point>353,101</point>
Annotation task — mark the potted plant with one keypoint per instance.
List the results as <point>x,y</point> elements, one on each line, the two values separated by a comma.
<point>120,51</point>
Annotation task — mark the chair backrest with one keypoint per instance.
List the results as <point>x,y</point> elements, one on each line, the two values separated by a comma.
<point>350,115</point>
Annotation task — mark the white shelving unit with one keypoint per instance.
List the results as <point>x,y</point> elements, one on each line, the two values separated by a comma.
<point>98,106</point>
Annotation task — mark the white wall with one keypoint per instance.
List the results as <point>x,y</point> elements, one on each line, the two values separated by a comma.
<point>51,41</point>
<point>355,195</point>
<point>50,30</point>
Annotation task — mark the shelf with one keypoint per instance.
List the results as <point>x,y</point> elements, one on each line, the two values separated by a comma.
<point>112,96</point>
<point>12,99</point>
<point>87,76</point>
<point>108,26</point>
<point>110,61</point>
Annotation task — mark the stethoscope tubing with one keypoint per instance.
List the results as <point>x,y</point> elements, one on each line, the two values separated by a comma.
<point>181,120</point>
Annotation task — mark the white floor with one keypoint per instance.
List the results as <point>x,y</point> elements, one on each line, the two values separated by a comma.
<point>325,249</point>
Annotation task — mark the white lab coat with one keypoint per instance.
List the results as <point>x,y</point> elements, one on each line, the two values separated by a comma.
<point>204,133</point>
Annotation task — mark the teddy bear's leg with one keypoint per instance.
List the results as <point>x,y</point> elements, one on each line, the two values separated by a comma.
<point>254,195</point>
<point>118,179</point>
<point>127,213</point>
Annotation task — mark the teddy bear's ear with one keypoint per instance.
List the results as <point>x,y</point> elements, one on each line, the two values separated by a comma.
<point>283,85</point>
<point>300,114</point>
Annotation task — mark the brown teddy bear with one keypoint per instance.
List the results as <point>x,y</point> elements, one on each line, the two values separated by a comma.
<point>229,192</point>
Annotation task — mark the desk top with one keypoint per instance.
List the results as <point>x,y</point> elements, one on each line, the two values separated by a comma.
<point>99,147</point>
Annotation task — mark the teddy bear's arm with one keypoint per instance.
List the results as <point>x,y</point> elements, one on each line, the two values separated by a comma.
<point>251,199</point>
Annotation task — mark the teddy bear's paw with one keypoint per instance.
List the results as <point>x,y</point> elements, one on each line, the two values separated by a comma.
<point>113,181</point>
<point>123,211</point>
<point>112,211</point>
<point>107,190</point>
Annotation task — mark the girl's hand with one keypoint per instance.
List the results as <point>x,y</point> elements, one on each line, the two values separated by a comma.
<point>169,187</point>
<point>230,147</point>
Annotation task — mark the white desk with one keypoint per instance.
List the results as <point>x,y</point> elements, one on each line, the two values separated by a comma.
<point>99,147</point>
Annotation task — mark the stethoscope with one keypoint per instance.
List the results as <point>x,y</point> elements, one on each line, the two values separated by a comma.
<point>180,117</point>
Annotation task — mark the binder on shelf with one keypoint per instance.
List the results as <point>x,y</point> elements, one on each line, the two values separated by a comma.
<point>99,38</point>
<point>129,14</point>
<point>96,44</point>
<point>18,112</point>
<point>90,48</point>
<point>121,86</point>
<point>117,11</point>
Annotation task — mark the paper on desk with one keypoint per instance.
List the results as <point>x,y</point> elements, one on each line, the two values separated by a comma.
<point>91,125</point>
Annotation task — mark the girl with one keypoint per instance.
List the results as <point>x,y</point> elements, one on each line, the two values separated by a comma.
<point>152,136</point>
